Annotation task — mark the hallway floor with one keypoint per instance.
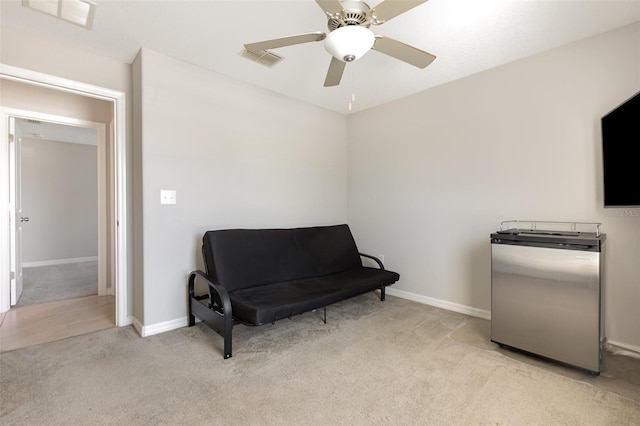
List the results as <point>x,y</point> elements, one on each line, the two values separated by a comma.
<point>48,283</point>
<point>45,322</point>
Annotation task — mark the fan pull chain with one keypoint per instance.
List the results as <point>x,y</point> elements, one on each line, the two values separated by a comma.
<point>352,99</point>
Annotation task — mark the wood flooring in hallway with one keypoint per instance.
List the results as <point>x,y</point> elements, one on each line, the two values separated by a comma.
<point>45,322</point>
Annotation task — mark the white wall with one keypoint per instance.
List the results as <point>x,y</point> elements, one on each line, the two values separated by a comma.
<point>238,156</point>
<point>60,197</point>
<point>432,175</point>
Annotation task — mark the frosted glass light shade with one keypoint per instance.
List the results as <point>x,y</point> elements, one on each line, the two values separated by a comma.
<point>349,43</point>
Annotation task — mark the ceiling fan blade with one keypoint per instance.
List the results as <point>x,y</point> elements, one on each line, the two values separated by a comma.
<point>330,7</point>
<point>334,75</point>
<point>404,52</point>
<point>284,41</point>
<point>388,9</point>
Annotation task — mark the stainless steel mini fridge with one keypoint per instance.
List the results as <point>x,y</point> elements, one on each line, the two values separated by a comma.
<point>547,290</point>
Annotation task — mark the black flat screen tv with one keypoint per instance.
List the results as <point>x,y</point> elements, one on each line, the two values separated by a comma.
<point>621,154</point>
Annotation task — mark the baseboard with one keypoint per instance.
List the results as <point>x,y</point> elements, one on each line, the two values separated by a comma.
<point>161,327</point>
<point>128,321</point>
<point>137,325</point>
<point>632,348</point>
<point>438,303</point>
<point>479,313</point>
<point>59,261</point>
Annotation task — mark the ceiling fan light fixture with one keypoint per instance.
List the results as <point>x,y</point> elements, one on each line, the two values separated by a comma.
<point>349,43</point>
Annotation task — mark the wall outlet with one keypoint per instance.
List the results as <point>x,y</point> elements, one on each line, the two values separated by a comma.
<point>167,196</point>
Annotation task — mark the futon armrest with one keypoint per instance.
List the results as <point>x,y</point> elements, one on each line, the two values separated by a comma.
<point>378,261</point>
<point>218,297</point>
<point>218,314</point>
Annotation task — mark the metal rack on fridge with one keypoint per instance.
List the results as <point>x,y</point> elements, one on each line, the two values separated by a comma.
<point>550,227</point>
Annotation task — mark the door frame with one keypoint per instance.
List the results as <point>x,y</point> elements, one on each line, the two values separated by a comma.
<point>118,196</point>
<point>101,171</point>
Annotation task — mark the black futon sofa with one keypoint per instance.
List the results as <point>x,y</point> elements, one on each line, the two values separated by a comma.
<point>259,276</point>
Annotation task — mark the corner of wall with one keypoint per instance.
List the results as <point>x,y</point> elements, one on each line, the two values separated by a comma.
<point>137,205</point>
<point>150,330</point>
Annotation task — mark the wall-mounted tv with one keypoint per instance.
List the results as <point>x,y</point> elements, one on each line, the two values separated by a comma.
<point>621,154</point>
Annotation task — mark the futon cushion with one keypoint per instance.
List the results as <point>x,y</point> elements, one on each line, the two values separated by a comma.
<point>245,258</point>
<point>269,303</point>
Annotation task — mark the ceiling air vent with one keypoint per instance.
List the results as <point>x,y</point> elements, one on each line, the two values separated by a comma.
<point>79,12</point>
<point>263,57</point>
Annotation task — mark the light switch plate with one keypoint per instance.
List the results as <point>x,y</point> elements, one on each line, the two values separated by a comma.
<point>167,196</point>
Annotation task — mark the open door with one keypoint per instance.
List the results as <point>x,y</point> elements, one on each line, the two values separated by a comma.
<point>15,213</point>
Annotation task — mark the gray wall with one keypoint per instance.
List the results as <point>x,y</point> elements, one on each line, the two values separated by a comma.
<point>39,99</point>
<point>59,195</point>
<point>432,175</point>
<point>237,157</point>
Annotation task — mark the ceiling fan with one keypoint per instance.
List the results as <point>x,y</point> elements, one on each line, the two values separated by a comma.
<point>349,35</point>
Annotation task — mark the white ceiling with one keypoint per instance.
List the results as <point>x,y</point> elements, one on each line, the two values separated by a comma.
<point>467,36</point>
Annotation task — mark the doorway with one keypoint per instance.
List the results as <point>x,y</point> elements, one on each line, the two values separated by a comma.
<point>54,191</point>
<point>57,197</point>
<point>114,167</point>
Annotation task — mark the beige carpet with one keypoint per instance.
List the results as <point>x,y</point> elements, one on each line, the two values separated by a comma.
<point>374,363</point>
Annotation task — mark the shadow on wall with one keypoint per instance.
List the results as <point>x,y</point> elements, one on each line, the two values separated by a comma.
<point>480,269</point>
